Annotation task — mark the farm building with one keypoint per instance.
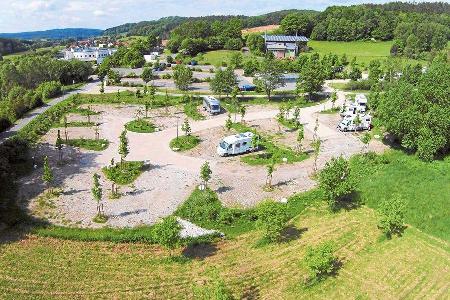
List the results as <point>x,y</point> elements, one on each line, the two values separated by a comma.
<point>284,46</point>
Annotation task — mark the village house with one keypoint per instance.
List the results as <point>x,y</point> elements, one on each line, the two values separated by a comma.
<point>284,46</point>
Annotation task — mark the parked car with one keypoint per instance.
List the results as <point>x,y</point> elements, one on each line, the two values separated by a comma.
<point>236,144</point>
<point>211,105</point>
<point>247,87</point>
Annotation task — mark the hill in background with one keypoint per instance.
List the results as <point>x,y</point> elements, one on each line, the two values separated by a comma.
<point>55,34</point>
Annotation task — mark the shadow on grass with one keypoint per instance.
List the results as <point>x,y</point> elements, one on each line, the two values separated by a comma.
<point>291,233</point>
<point>311,281</point>
<point>348,202</point>
<point>199,251</point>
<point>251,293</point>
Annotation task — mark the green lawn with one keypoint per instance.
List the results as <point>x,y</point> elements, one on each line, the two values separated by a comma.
<point>125,172</point>
<point>184,142</point>
<point>216,58</point>
<point>424,186</point>
<point>364,51</point>
<point>89,144</point>
<point>140,126</point>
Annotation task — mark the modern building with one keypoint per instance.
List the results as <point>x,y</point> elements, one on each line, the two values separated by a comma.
<point>89,53</point>
<point>284,46</point>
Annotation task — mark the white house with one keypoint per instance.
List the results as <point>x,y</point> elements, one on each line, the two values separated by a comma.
<point>284,46</point>
<point>89,54</point>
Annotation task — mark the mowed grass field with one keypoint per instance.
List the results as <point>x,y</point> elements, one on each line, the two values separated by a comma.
<point>413,266</point>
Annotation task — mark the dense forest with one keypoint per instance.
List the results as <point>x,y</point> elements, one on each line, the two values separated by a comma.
<point>164,26</point>
<point>9,46</point>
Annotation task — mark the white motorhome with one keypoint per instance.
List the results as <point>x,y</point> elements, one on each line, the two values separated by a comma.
<point>236,144</point>
<point>361,102</point>
<point>211,105</point>
<point>348,123</point>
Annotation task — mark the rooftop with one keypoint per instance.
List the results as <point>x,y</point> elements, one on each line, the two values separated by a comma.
<point>285,38</point>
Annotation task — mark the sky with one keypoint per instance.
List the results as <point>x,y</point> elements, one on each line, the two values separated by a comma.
<point>32,15</point>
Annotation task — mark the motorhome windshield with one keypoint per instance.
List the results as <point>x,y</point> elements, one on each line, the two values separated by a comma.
<point>223,145</point>
<point>214,107</point>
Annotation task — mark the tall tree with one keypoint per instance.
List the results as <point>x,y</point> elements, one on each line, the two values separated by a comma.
<point>311,77</point>
<point>270,76</point>
<point>182,76</point>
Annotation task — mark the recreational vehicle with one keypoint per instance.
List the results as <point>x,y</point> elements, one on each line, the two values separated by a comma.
<point>361,102</point>
<point>211,105</point>
<point>348,123</point>
<point>235,144</point>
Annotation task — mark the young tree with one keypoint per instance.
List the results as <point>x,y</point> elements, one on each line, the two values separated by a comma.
<point>147,75</point>
<point>242,110</point>
<point>47,176</point>
<point>320,260</point>
<point>333,100</point>
<point>228,123</point>
<point>97,193</point>
<point>88,114</point>
<point>59,145</point>
<point>235,101</point>
<point>123,146</point>
<point>357,122</point>
<point>186,127</point>
<point>166,102</point>
<point>272,218</point>
<point>316,147</point>
<point>167,233</point>
<point>145,90</point>
<point>102,87</point>
<point>66,135</point>
<point>236,60</point>
<point>270,169</point>
<point>300,137</point>
<point>205,173</point>
<point>336,181</point>
<point>296,114</point>
<point>182,76</point>
<point>256,140</point>
<point>392,216</point>
<point>270,76</point>
<point>366,140</point>
<point>147,107</point>
<point>118,96</point>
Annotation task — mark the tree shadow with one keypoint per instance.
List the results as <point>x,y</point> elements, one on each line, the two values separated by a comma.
<point>199,250</point>
<point>348,202</point>
<point>251,293</point>
<point>223,189</point>
<point>291,233</point>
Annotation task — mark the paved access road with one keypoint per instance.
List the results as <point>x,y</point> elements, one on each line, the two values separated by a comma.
<point>36,112</point>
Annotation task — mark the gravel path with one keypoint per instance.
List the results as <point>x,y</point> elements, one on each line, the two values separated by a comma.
<point>172,176</point>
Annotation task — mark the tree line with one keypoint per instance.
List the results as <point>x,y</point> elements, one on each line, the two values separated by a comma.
<point>26,81</point>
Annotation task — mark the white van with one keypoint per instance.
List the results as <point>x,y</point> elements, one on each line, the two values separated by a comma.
<point>348,123</point>
<point>211,105</point>
<point>236,144</point>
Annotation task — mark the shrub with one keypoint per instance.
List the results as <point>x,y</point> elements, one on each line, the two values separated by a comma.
<point>392,216</point>
<point>140,126</point>
<point>201,206</point>
<point>125,172</point>
<point>335,180</point>
<point>190,109</point>
<point>320,260</point>
<point>48,90</point>
<point>89,144</point>
<point>167,232</point>
<point>272,218</point>
<point>183,143</point>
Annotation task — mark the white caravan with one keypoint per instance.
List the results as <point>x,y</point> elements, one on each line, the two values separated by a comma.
<point>235,144</point>
<point>211,105</point>
<point>355,107</point>
<point>348,123</point>
<point>361,102</point>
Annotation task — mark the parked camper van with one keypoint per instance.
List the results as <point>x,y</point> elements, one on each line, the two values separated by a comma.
<point>235,144</point>
<point>211,105</point>
<point>361,102</point>
<point>348,123</point>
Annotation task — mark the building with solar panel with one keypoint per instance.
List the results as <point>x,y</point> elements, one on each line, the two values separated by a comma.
<point>284,46</point>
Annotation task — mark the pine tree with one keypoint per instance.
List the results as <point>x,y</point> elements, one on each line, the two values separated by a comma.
<point>47,176</point>
<point>123,146</point>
